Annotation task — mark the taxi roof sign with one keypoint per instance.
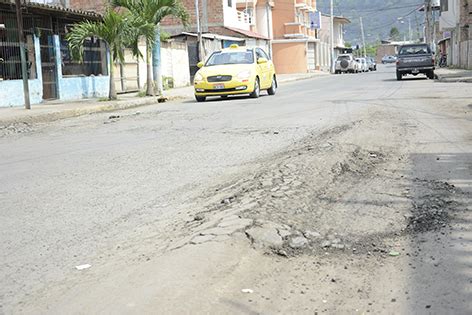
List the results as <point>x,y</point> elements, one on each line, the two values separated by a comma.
<point>234,46</point>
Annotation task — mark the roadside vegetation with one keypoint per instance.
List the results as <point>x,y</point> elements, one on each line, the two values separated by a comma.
<point>124,25</point>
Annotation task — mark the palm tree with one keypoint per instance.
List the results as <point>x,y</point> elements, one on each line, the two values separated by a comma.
<point>149,13</point>
<point>114,29</point>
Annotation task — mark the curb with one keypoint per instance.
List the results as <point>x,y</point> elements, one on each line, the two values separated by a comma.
<point>109,107</point>
<point>320,75</point>
<point>445,79</point>
<point>76,112</point>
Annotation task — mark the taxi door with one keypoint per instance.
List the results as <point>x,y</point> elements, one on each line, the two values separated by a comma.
<point>264,69</point>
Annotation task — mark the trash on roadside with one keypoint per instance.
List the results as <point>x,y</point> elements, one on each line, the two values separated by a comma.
<point>276,132</point>
<point>247,291</point>
<point>83,267</point>
<point>114,117</point>
<point>394,253</point>
<point>373,155</point>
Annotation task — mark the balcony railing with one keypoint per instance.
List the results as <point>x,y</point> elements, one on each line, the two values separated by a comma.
<point>246,18</point>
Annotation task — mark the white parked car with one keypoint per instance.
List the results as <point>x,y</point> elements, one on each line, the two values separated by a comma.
<point>363,66</point>
<point>347,64</point>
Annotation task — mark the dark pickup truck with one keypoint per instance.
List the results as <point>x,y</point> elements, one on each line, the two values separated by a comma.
<point>414,59</point>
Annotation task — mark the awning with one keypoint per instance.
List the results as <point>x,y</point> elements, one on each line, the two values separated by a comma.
<point>443,40</point>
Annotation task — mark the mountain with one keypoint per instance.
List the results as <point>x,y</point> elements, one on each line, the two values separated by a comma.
<point>379,16</point>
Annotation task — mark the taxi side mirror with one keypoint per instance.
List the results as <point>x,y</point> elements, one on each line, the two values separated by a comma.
<point>200,64</point>
<point>262,60</point>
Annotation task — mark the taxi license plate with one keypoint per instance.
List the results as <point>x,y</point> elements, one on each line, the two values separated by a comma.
<point>219,86</point>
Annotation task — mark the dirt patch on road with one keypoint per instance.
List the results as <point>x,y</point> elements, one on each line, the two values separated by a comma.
<point>328,193</point>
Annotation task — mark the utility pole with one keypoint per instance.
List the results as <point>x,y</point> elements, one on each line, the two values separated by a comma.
<point>427,31</point>
<point>418,34</point>
<point>363,38</point>
<point>409,30</point>
<point>269,27</point>
<point>21,40</point>
<point>434,31</point>
<point>199,32</point>
<point>332,37</point>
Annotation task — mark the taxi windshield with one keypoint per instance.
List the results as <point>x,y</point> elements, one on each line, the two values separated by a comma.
<point>230,58</point>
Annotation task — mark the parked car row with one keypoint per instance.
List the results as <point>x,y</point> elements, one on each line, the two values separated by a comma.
<point>346,63</point>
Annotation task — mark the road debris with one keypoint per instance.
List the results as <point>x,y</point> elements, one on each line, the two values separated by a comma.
<point>83,267</point>
<point>247,291</point>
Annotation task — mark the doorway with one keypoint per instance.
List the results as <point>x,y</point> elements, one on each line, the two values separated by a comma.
<point>48,66</point>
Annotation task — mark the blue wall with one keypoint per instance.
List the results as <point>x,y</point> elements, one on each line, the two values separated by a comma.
<point>11,91</point>
<point>78,87</point>
<point>69,88</point>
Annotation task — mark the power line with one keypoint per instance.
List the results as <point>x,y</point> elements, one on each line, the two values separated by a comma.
<point>396,20</point>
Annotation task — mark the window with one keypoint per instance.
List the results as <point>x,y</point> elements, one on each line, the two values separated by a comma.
<point>444,5</point>
<point>230,58</point>
<point>415,50</point>
<point>230,3</point>
<point>94,62</point>
<point>261,54</point>
<point>10,60</point>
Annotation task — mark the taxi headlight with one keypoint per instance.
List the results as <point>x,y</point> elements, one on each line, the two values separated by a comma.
<point>243,75</point>
<point>198,77</point>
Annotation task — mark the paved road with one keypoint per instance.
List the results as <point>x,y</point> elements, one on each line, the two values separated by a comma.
<point>108,191</point>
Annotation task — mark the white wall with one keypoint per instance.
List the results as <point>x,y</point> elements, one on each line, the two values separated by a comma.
<point>175,62</point>
<point>262,14</point>
<point>450,18</point>
<point>231,16</point>
<point>338,34</point>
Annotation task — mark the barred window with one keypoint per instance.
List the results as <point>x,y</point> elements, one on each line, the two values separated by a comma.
<point>94,62</point>
<point>10,58</point>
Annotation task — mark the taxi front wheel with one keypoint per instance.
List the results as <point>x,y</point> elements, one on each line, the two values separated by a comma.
<point>273,87</point>
<point>200,98</point>
<point>257,89</point>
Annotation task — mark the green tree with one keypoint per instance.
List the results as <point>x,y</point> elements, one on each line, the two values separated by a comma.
<point>147,15</point>
<point>394,33</point>
<point>113,29</point>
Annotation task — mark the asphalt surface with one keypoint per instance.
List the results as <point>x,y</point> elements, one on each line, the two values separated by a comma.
<point>111,189</point>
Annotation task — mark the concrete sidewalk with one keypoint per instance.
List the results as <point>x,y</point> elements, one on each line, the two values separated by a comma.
<point>453,75</point>
<point>56,110</point>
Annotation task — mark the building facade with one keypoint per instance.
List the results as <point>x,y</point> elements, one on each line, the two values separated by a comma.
<point>455,24</point>
<point>302,35</point>
<point>294,39</point>
<point>232,18</point>
<point>52,74</point>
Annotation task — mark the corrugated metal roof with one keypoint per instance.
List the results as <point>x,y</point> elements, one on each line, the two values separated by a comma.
<point>53,8</point>
<point>210,36</point>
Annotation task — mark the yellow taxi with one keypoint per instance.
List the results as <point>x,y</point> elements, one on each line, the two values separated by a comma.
<point>233,71</point>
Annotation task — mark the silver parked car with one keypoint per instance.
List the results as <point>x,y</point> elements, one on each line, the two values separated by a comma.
<point>363,67</point>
